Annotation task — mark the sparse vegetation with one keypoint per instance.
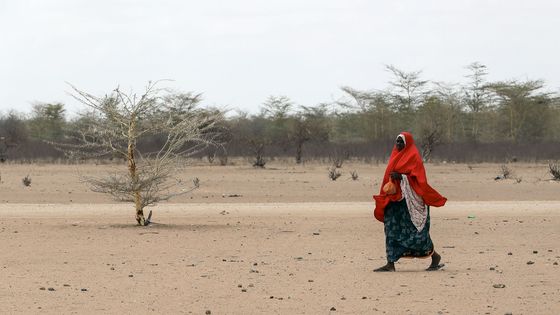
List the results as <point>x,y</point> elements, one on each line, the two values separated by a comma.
<point>258,150</point>
<point>26,181</point>
<point>354,175</point>
<point>337,162</point>
<point>505,172</point>
<point>554,169</point>
<point>334,174</point>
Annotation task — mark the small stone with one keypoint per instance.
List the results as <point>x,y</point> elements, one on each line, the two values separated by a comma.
<point>240,286</point>
<point>508,313</point>
<point>530,262</point>
<point>112,268</point>
<point>51,289</point>
<point>343,298</point>
<point>510,253</point>
<point>243,290</point>
<point>310,280</point>
<point>42,288</point>
<point>492,268</point>
<point>499,286</point>
<point>333,309</point>
<point>272,296</point>
<point>364,297</point>
<point>83,289</point>
<point>208,312</point>
<point>316,233</point>
<point>535,252</point>
<point>251,285</point>
<point>130,276</point>
<point>555,263</point>
<point>255,264</point>
<point>66,285</point>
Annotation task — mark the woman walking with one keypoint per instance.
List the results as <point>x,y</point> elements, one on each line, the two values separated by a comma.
<point>403,205</point>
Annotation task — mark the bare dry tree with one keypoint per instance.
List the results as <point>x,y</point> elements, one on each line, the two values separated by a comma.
<point>257,147</point>
<point>429,141</point>
<point>115,123</point>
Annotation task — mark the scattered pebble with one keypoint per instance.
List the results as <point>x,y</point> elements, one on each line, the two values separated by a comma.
<point>555,263</point>
<point>240,286</point>
<point>535,252</point>
<point>243,290</point>
<point>310,280</point>
<point>83,289</point>
<point>42,288</point>
<point>510,253</point>
<point>333,309</point>
<point>530,262</point>
<point>66,285</point>
<point>343,298</point>
<point>316,233</point>
<point>499,286</point>
<point>492,268</point>
<point>51,289</point>
<point>364,297</point>
<point>208,312</point>
<point>130,276</point>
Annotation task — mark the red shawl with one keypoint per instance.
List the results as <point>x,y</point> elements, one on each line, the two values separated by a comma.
<point>408,162</point>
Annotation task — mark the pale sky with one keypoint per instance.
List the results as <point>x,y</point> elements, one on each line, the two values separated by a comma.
<point>238,52</point>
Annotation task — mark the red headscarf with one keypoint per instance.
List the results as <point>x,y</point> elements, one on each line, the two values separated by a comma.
<point>408,162</point>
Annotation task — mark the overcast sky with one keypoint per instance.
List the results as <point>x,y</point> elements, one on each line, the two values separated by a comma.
<point>238,52</point>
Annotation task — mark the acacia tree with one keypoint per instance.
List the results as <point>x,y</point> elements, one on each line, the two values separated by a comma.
<point>374,109</point>
<point>310,123</point>
<point>47,121</point>
<point>477,97</point>
<point>114,125</point>
<point>524,108</point>
<point>409,88</point>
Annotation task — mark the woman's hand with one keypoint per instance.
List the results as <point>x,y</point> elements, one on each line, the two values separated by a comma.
<point>395,175</point>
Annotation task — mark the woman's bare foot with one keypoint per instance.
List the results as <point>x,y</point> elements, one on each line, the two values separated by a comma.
<point>435,265</point>
<point>388,267</point>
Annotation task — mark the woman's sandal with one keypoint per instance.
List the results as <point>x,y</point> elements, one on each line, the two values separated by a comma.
<point>434,268</point>
<point>384,269</point>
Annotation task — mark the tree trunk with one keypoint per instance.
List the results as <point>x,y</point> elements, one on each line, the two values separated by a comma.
<point>133,174</point>
<point>299,150</point>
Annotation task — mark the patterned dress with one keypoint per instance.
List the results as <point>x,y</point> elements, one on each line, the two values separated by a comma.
<point>402,238</point>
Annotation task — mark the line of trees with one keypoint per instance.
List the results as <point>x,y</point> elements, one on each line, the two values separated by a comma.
<point>478,120</point>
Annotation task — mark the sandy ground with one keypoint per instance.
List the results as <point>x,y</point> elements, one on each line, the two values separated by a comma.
<point>292,242</point>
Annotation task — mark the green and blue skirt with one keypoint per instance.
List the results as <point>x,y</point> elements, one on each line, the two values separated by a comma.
<point>402,239</point>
